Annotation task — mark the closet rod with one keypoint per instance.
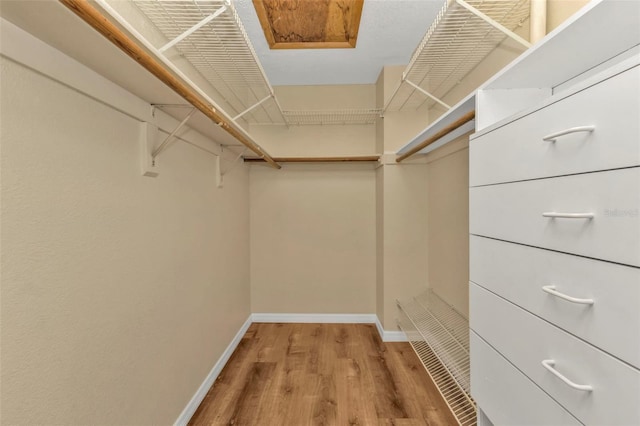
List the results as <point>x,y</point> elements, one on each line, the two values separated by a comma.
<point>444,132</point>
<point>100,23</point>
<point>361,158</point>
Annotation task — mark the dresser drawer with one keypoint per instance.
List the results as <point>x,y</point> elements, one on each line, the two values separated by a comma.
<point>514,212</point>
<point>517,150</point>
<point>526,341</point>
<point>506,395</point>
<point>519,273</point>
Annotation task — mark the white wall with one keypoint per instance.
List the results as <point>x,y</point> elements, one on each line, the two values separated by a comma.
<point>119,292</point>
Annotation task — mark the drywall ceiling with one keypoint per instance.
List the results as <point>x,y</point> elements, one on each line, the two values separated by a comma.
<point>389,32</point>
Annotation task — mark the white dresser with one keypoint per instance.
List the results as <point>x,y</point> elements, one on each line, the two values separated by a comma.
<point>555,256</point>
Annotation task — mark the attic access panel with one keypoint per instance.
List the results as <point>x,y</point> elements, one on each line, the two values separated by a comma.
<point>310,24</point>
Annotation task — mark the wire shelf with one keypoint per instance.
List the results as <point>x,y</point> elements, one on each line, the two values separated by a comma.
<point>440,337</point>
<point>342,116</point>
<point>455,43</point>
<point>219,49</point>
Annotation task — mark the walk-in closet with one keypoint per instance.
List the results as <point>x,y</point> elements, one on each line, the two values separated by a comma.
<point>320,212</point>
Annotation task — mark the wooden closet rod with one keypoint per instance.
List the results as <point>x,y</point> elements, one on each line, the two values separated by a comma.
<point>100,23</point>
<point>450,128</point>
<point>361,158</point>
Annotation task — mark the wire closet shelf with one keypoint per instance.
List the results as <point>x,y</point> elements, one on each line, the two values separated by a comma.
<point>440,337</point>
<point>209,36</point>
<point>462,35</point>
<point>207,41</point>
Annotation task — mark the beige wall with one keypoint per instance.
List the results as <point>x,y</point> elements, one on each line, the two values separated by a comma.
<point>320,140</point>
<point>316,141</point>
<point>401,210</point>
<point>313,228</point>
<point>313,236</point>
<point>448,223</point>
<point>405,237</point>
<point>119,292</point>
<point>559,10</point>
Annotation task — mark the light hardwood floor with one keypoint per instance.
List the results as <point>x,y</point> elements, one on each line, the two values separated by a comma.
<point>322,374</point>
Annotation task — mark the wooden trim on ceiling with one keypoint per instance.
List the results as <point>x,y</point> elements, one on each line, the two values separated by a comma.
<point>354,26</point>
<point>264,22</point>
<point>313,45</point>
<point>356,16</point>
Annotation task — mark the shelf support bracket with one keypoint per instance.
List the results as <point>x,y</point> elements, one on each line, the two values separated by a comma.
<point>165,143</point>
<point>252,107</point>
<point>192,30</point>
<point>219,173</point>
<point>427,94</point>
<point>234,162</point>
<point>494,23</point>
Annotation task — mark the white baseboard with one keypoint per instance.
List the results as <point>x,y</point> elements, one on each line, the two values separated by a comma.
<point>317,318</point>
<point>390,336</point>
<point>386,336</point>
<point>394,336</point>
<point>195,401</point>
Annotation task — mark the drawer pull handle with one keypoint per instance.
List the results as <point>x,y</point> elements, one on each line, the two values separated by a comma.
<point>569,215</point>
<point>553,136</point>
<point>549,363</point>
<point>552,290</point>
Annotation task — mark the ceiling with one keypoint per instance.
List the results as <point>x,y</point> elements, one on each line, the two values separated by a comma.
<point>389,32</point>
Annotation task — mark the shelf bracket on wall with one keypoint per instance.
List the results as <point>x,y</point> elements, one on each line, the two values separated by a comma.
<point>192,30</point>
<point>494,23</point>
<point>219,173</point>
<point>168,139</point>
<point>147,137</point>
<point>427,94</point>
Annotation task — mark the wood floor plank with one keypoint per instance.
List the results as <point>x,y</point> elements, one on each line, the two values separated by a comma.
<point>415,388</point>
<point>321,375</point>
<point>388,402</point>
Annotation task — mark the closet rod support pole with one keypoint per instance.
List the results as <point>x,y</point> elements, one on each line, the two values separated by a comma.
<point>444,132</point>
<point>192,30</point>
<point>252,107</point>
<point>165,143</point>
<point>427,94</point>
<point>537,20</point>
<point>494,23</point>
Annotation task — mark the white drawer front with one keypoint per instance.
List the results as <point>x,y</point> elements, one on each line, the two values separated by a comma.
<point>506,395</point>
<point>514,212</point>
<point>526,340</point>
<point>517,150</point>
<point>519,273</point>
